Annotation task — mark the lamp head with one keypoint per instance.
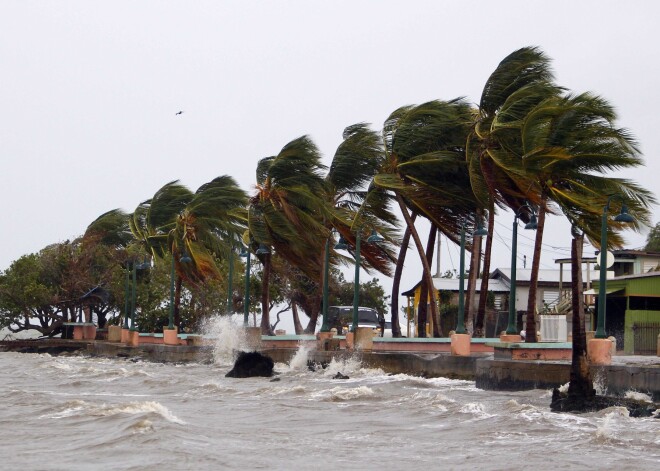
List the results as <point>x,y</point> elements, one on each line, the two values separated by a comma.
<point>533,222</point>
<point>262,250</point>
<point>244,253</point>
<point>481,231</point>
<point>374,238</point>
<point>185,258</point>
<point>342,244</point>
<point>624,216</point>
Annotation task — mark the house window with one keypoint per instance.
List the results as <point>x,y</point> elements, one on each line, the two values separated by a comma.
<point>643,303</point>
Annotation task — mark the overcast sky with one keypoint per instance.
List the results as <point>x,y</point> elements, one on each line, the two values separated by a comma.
<point>89,92</point>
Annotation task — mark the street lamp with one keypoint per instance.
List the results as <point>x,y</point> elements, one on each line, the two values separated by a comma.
<point>245,252</point>
<point>343,245</point>
<point>480,232</point>
<point>326,263</point>
<point>532,224</point>
<point>184,259</point>
<point>139,266</point>
<point>623,216</point>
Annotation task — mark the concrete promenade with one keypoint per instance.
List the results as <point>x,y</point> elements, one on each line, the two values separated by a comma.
<point>419,357</point>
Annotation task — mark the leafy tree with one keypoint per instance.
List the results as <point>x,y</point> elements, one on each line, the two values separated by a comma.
<point>653,239</point>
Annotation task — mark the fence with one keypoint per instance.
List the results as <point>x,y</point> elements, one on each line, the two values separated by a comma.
<point>645,338</point>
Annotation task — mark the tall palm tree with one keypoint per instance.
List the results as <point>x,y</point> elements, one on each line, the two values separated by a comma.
<point>519,82</point>
<point>425,169</point>
<point>569,143</point>
<point>288,209</point>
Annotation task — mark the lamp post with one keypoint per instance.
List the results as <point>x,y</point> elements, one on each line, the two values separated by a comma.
<point>126,295</point>
<point>324,326</point>
<point>480,232</point>
<point>532,224</point>
<point>139,266</point>
<point>230,281</point>
<point>246,302</point>
<point>623,216</point>
<point>185,258</point>
<point>343,245</point>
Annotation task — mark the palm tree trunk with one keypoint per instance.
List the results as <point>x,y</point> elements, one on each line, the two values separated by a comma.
<point>265,305</point>
<point>530,332</point>
<point>430,248</point>
<point>396,281</point>
<point>296,319</point>
<point>483,292</point>
<point>475,259</point>
<point>581,386</point>
<point>420,251</point>
<point>422,308</point>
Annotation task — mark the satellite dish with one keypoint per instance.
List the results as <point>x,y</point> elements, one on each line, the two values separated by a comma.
<point>609,259</point>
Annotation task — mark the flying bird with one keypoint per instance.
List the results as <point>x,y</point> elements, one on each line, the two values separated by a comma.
<point>179,112</point>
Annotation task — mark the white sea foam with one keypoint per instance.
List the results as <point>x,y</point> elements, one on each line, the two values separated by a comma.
<point>638,396</point>
<point>299,360</point>
<point>79,407</point>
<point>228,337</point>
<point>340,394</point>
<point>476,409</point>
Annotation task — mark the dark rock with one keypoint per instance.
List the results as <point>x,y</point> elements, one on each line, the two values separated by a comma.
<point>249,364</point>
<point>275,379</point>
<point>562,402</point>
<point>340,376</point>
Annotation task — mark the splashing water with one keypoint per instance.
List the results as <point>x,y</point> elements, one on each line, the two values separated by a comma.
<point>299,360</point>
<point>228,338</point>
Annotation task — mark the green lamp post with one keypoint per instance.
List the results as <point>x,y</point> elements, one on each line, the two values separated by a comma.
<point>343,245</point>
<point>245,252</point>
<point>139,266</point>
<point>326,269</point>
<point>230,282</point>
<point>623,216</point>
<point>480,232</point>
<point>184,259</point>
<point>127,295</point>
<point>511,329</point>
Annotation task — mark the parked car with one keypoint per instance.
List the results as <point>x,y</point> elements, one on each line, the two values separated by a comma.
<point>341,318</point>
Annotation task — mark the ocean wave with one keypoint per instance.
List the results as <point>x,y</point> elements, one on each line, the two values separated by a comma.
<point>80,407</point>
<point>340,394</point>
<point>476,409</point>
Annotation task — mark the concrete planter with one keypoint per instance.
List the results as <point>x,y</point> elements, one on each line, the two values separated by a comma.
<point>171,336</point>
<point>134,338</point>
<point>599,351</point>
<point>460,345</point>
<point>90,332</point>
<point>364,338</point>
<point>125,333</point>
<point>253,338</point>
<point>114,333</point>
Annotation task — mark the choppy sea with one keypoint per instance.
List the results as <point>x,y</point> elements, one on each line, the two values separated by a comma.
<point>81,413</point>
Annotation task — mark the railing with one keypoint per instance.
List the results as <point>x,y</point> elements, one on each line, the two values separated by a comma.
<point>645,338</point>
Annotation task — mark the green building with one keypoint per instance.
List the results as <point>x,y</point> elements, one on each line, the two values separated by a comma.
<point>633,311</point>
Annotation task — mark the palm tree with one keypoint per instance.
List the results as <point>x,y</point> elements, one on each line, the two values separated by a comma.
<point>426,172</point>
<point>519,82</point>
<point>288,209</point>
<point>569,143</point>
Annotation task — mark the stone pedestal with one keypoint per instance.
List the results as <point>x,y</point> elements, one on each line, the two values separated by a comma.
<point>134,338</point>
<point>78,332</point>
<point>364,338</point>
<point>253,338</point>
<point>89,332</point>
<point>171,336</point>
<point>124,335</point>
<point>114,333</point>
<point>460,345</point>
<point>599,351</point>
<point>510,338</point>
<point>349,340</point>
